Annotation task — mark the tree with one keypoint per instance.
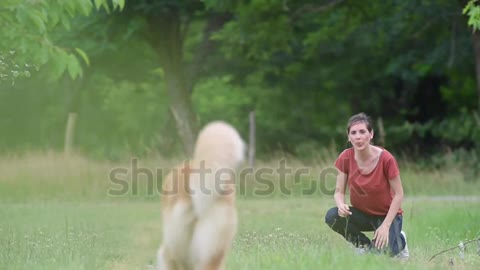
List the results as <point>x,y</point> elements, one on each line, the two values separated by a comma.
<point>26,41</point>
<point>167,25</point>
<point>385,57</point>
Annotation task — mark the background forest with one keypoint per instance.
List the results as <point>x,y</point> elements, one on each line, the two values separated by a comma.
<point>138,77</point>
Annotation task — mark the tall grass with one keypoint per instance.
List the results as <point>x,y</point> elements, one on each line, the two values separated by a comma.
<point>52,176</point>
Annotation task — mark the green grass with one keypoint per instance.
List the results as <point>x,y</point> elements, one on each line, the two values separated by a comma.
<point>55,213</point>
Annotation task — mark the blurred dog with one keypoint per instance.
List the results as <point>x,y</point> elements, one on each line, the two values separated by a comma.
<point>198,202</point>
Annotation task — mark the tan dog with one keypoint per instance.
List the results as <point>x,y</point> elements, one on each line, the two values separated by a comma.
<point>198,203</point>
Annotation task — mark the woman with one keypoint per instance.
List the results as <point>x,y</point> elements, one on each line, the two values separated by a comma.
<point>376,193</point>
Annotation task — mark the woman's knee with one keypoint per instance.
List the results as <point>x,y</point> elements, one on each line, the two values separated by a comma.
<point>331,216</point>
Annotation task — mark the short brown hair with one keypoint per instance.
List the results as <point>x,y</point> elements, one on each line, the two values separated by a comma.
<point>360,118</point>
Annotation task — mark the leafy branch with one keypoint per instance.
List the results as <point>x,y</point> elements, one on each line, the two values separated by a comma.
<point>27,26</point>
<point>473,12</point>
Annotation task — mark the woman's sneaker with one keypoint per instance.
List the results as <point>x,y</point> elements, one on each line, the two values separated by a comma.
<point>404,254</point>
<point>361,250</point>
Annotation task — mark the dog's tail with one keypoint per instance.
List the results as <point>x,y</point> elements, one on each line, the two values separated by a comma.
<point>220,145</point>
<point>219,151</point>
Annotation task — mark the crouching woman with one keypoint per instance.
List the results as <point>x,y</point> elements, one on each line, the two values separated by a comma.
<point>376,193</point>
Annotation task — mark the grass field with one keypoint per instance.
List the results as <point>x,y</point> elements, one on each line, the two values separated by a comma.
<point>56,214</point>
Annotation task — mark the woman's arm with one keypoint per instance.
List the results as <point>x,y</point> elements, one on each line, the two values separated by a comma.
<point>381,234</point>
<point>397,188</point>
<point>339,196</point>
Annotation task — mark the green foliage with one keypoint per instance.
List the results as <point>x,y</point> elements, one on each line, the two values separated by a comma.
<point>472,10</point>
<point>136,112</point>
<point>220,5</point>
<point>28,25</point>
<point>458,129</point>
<point>458,94</point>
<point>221,98</point>
<point>303,66</point>
<point>10,71</point>
<point>141,130</point>
<point>218,99</point>
<point>253,36</point>
<point>148,7</point>
<point>372,57</point>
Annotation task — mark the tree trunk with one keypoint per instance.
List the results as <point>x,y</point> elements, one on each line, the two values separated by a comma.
<point>476,46</point>
<point>73,104</point>
<point>69,133</point>
<point>167,41</point>
<point>251,140</point>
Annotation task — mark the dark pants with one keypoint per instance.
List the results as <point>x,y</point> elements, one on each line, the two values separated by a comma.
<point>352,227</point>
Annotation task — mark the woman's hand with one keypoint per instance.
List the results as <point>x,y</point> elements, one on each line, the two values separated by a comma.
<point>381,236</point>
<point>344,210</point>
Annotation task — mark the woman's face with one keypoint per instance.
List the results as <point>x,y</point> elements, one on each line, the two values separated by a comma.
<point>359,136</point>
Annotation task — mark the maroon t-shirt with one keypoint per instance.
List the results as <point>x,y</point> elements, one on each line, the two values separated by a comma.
<point>370,193</point>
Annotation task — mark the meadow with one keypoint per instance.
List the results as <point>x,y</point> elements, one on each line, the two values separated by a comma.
<point>61,213</point>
